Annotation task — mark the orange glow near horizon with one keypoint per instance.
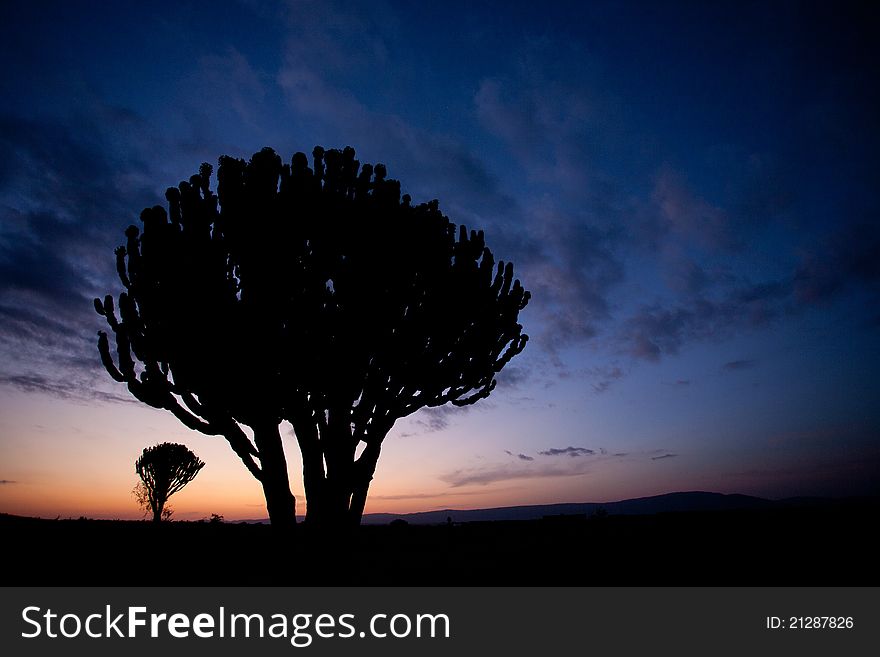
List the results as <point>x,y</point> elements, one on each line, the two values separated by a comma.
<point>69,459</point>
<point>78,460</point>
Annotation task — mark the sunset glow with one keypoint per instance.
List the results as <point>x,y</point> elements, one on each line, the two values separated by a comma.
<point>689,193</point>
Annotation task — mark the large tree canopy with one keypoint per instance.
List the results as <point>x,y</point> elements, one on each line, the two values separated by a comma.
<point>312,295</point>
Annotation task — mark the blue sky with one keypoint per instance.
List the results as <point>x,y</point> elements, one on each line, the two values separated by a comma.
<point>688,191</point>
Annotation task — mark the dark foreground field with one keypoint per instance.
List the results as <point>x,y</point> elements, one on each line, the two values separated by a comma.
<point>829,544</point>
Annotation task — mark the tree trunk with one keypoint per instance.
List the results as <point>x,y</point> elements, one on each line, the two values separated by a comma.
<point>328,491</point>
<point>313,481</point>
<point>365,468</point>
<point>336,498</point>
<point>280,502</point>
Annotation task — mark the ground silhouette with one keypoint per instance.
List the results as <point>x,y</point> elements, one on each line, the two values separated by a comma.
<point>820,543</point>
<point>164,470</point>
<point>313,295</point>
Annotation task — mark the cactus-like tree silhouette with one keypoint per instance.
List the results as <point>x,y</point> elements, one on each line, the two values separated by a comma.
<point>313,295</point>
<point>164,469</point>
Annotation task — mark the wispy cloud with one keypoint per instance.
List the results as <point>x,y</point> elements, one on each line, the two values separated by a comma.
<point>688,216</point>
<point>232,78</point>
<point>63,205</point>
<point>659,330</point>
<point>437,495</point>
<point>82,389</point>
<point>512,377</point>
<point>838,262</point>
<point>567,451</point>
<point>505,472</point>
<point>737,365</point>
<point>581,462</point>
<point>604,377</point>
<point>435,418</point>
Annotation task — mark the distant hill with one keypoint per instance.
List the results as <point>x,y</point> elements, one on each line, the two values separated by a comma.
<point>670,502</point>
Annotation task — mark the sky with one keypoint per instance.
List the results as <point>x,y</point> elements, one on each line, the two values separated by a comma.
<point>688,190</point>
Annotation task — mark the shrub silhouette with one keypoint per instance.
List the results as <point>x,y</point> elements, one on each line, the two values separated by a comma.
<point>164,469</point>
<point>312,295</point>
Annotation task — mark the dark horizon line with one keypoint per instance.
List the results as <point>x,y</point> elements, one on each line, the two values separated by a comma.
<point>747,501</point>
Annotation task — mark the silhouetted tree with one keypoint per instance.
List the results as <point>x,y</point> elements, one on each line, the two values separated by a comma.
<point>164,469</point>
<point>312,295</point>
<point>142,496</point>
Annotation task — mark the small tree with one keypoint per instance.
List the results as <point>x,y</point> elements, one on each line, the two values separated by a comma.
<point>142,496</point>
<point>164,469</point>
<point>313,295</point>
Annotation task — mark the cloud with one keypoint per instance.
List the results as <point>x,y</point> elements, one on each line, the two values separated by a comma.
<point>713,303</point>
<point>64,200</point>
<point>546,125</point>
<point>845,259</point>
<point>39,263</point>
<point>505,472</point>
<point>441,494</point>
<point>570,276</point>
<point>82,389</point>
<point>682,274</point>
<point>604,377</point>
<point>657,330</point>
<point>737,365</point>
<point>564,258</point>
<point>591,227</point>
<point>570,238</point>
<point>7,481</point>
<point>517,123</point>
<point>690,217</point>
<point>557,121</point>
<point>435,418</point>
<point>528,468</point>
<point>577,224</point>
<point>512,376</point>
<point>569,451</point>
<point>230,77</point>
<point>329,51</point>
<point>577,200</point>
